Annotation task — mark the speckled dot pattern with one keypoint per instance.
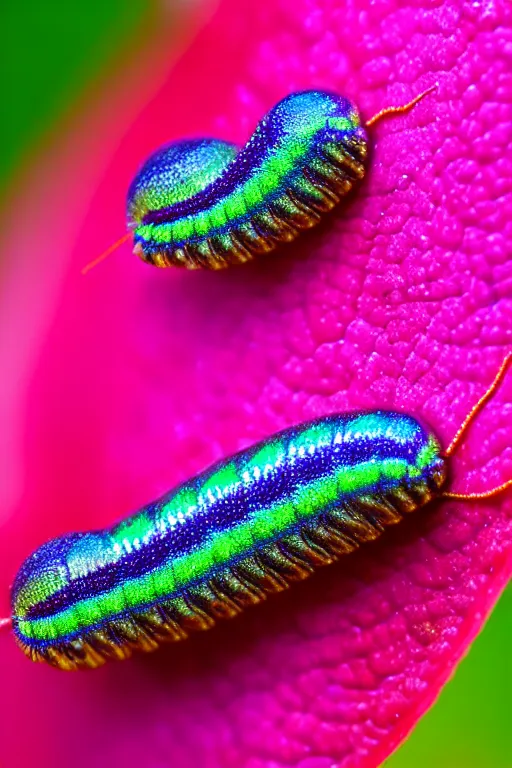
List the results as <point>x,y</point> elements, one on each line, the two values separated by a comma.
<point>198,204</point>
<point>402,301</point>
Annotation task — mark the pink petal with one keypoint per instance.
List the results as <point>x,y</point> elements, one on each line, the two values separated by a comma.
<point>118,385</point>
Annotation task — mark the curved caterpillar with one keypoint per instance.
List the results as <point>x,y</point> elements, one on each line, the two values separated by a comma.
<point>247,527</point>
<point>203,203</point>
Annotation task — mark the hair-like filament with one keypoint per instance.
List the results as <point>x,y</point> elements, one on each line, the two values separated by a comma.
<point>482,495</point>
<point>475,410</point>
<point>399,110</point>
<point>106,253</point>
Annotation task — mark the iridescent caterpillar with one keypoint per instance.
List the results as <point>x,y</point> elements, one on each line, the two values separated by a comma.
<point>205,203</point>
<point>247,527</point>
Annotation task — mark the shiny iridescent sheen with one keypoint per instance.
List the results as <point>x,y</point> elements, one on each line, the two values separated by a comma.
<point>201,203</point>
<point>244,528</point>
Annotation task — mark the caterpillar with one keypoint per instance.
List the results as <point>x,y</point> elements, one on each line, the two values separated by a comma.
<point>245,528</point>
<point>203,203</point>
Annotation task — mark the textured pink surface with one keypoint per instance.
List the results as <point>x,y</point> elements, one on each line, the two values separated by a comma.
<point>124,382</point>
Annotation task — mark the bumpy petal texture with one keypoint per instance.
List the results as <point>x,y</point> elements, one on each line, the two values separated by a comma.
<point>117,385</point>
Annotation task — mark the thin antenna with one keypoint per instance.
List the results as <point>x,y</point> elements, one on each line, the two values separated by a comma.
<point>480,404</point>
<point>491,389</point>
<point>399,110</point>
<point>482,495</point>
<point>106,253</point>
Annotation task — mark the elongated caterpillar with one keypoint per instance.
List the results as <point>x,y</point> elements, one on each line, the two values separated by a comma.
<point>203,203</point>
<point>245,528</point>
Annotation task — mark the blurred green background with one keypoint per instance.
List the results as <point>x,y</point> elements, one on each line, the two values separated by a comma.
<point>51,53</point>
